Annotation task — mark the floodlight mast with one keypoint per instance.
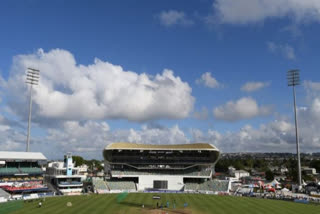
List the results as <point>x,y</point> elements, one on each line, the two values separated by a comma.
<point>33,76</point>
<point>293,77</point>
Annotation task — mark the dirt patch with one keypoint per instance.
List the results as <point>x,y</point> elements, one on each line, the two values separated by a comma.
<point>165,211</point>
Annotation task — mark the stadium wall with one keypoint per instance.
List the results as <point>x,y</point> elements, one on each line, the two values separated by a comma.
<point>146,181</point>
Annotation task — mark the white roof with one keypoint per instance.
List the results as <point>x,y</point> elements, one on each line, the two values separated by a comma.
<point>22,156</point>
<point>138,146</point>
<point>240,171</point>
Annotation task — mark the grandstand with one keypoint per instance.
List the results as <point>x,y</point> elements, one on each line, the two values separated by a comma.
<point>208,186</point>
<point>99,185</point>
<point>121,185</point>
<point>144,167</point>
<point>20,172</point>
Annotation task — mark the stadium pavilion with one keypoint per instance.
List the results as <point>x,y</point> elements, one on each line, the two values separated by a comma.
<point>145,167</point>
<point>21,172</point>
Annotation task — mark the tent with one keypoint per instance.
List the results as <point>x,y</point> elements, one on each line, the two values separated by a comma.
<point>284,190</point>
<point>275,184</point>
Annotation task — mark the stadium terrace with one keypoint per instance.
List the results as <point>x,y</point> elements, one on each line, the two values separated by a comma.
<point>147,167</point>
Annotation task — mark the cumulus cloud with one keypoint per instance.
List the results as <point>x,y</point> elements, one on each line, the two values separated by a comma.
<point>89,138</point>
<point>244,108</point>
<point>172,17</point>
<point>254,86</point>
<point>70,91</point>
<point>253,11</point>
<point>315,86</point>
<point>10,138</point>
<point>203,114</point>
<point>207,80</point>
<point>285,50</point>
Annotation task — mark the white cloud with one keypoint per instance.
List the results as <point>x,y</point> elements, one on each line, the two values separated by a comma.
<point>172,17</point>
<point>203,114</point>
<point>254,86</point>
<point>293,29</point>
<point>207,80</point>
<point>312,85</point>
<point>253,11</point>
<point>244,108</point>
<point>89,138</point>
<point>68,91</point>
<point>285,50</point>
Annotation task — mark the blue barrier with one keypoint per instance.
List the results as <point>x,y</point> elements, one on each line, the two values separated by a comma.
<point>303,201</point>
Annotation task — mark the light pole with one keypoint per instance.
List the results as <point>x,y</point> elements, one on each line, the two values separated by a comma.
<point>293,80</point>
<point>33,76</point>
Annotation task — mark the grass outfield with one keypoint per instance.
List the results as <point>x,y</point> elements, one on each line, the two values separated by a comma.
<point>197,204</point>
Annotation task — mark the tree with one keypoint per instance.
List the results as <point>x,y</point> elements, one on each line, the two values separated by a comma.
<point>315,164</point>
<point>78,160</point>
<point>292,169</point>
<point>238,165</point>
<point>269,175</point>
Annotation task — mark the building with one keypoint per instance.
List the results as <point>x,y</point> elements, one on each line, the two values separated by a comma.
<point>144,167</point>
<point>240,173</point>
<point>83,170</point>
<point>21,172</point>
<point>309,171</point>
<point>65,176</point>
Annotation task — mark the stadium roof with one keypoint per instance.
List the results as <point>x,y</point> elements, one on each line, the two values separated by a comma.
<point>22,156</point>
<point>136,146</point>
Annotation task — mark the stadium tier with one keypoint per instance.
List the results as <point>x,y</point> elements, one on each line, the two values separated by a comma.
<point>100,185</point>
<point>158,167</point>
<point>210,185</point>
<point>121,185</point>
<point>20,172</point>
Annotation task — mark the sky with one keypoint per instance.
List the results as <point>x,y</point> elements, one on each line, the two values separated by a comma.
<point>159,72</point>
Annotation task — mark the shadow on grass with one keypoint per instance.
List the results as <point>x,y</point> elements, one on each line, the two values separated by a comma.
<point>151,209</point>
<point>130,204</point>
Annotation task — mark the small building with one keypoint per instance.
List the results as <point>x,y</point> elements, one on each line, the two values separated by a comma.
<point>283,170</point>
<point>309,171</point>
<point>83,170</point>
<point>65,176</point>
<point>231,170</point>
<point>240,173</point>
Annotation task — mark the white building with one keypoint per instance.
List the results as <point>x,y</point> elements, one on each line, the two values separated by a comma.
<point>309,171</point>
<point>65,176</point>
<point>240,173</point>
<point>83,170</point>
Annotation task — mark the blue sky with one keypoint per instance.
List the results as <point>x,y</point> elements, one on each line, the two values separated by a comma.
<point>224,42</point>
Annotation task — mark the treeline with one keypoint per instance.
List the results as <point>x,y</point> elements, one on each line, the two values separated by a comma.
<point>261,165</point>
<point>92,164</point>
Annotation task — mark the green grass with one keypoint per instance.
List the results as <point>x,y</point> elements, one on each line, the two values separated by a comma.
<point>198,204</point>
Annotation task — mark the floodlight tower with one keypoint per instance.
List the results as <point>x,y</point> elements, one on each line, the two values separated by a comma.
<point>293,77</point>
<point>33,76</point>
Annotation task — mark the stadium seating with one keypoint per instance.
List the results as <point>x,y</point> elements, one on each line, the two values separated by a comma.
<point>29,170</point>
<point>99,185</point>
<point>213,185</point>
<point>14,170</point>
<point>162,172</point>
<point>121,185</point>
<point>191,186</point>
<point>9,171</point>
<point>70,183</point>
